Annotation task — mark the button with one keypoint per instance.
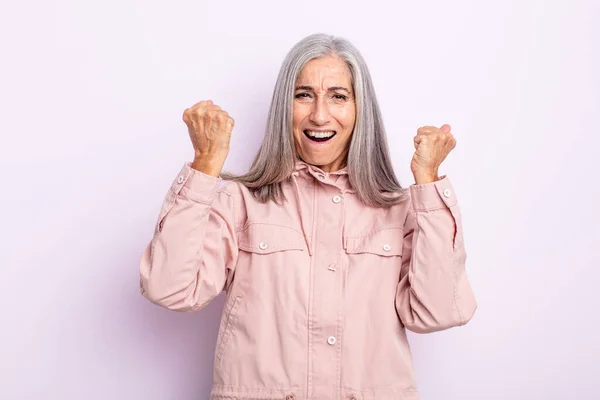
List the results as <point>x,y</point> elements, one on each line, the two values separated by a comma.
<point>290,397</point>
<point>331,340</point>
<point>332,267</point>
<point>353,398</point>
<point>262,245</point>
<point>321,176</point>
<point>180,179</point>
<point>387,247</point>
<point>447,192</point>
<point>337,199</point>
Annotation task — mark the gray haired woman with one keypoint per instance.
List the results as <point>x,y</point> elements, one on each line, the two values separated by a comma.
<point>325,259</point>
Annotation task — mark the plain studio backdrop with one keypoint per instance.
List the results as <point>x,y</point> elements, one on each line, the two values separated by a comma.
<point>91,99</point>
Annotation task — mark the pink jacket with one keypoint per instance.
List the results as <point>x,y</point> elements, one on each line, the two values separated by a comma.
<point>319,290</point>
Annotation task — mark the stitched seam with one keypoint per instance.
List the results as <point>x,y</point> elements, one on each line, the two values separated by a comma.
<point>244,389</point>
<point>381,390</point>
<point>454,272</point>
<point>426,209</point>
<point>340,315</point>
<point>247,389</point>
<point>311,297</point>
<point>235,236</point>
<point>250,223</point>
<point>373,232</point>
<point>272,249</point>
<point>227,332</point>
<point>412,266</point>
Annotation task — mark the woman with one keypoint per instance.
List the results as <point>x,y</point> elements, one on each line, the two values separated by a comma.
<point>325,259</point>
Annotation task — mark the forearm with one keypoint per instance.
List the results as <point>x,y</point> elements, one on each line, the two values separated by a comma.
<point>434,292</point>
<point>185,265</point>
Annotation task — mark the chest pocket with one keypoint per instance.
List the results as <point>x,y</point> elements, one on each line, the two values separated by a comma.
<point>265,238</point>
<point>385,242</point>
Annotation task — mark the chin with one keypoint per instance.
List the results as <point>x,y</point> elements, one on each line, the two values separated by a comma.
<point>320,162</point>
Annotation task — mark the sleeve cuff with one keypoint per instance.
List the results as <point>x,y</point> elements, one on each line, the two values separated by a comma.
<point>433,196</point>
<point>195,185</point>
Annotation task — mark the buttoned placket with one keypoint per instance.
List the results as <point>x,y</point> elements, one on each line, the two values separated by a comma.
<point>325,324</point>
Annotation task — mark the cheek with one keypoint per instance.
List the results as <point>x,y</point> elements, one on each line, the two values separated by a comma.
<point>297,118</point>
<point>298,115</point>
<point>347,116</point>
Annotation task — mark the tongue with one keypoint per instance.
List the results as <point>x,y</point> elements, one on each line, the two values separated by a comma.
<point>315,139</point>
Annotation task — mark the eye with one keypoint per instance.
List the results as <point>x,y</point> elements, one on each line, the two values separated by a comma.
<point>340,97</point>
<point>302,95</point>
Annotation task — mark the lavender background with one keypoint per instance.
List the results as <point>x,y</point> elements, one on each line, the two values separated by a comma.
<point>91,97</point>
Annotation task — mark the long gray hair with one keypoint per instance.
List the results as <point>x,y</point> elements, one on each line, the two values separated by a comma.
<point>370,169</point>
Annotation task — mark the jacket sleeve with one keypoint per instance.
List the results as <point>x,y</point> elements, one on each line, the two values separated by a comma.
<point>192,255</point>
<point>434,293</point>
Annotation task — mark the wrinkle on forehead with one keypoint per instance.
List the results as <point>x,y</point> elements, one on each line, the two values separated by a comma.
<point>322,74</point>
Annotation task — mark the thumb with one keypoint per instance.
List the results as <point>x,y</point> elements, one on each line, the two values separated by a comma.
<point>445,128</point>
<point>417,140</point>
<point>230,124</point>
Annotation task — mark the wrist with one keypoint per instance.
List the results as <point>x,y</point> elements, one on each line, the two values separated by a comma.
<point>421,179</point>
<point>209,166</point>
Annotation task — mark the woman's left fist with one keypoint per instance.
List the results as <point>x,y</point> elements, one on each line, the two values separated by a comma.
<point>432,146</point>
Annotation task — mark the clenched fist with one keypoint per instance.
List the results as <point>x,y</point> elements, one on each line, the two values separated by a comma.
<point>432,146</point>
<point>210,129</point>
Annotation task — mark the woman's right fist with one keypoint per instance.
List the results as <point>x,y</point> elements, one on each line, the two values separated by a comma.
<point>210,131</point>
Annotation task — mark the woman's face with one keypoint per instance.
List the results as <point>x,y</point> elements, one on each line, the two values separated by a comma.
<point>324,113</point>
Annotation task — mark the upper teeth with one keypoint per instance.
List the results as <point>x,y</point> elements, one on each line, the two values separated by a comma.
<point>320,134</point>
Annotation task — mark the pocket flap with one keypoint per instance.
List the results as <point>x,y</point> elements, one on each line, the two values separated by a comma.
<point>386,242</point>
<point>265,238</point>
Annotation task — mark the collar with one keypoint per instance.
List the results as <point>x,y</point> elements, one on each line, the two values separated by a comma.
<point>337,178</point>
<point>314,169</point>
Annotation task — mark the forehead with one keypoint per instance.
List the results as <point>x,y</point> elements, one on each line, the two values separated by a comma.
<point>329,71</point>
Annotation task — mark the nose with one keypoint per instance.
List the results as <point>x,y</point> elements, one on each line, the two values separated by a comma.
<point>320,111</point>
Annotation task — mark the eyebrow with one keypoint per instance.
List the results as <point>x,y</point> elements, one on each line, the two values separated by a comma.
<point>332,88</point>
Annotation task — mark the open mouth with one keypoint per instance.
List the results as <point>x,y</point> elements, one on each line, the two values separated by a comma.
<point>319,137</point>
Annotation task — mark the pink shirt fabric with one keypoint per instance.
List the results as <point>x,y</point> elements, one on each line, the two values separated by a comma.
<point>319,291</point>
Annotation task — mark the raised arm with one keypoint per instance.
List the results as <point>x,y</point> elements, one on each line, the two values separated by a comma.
<point>192,255</point>
<point>434,292</point>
